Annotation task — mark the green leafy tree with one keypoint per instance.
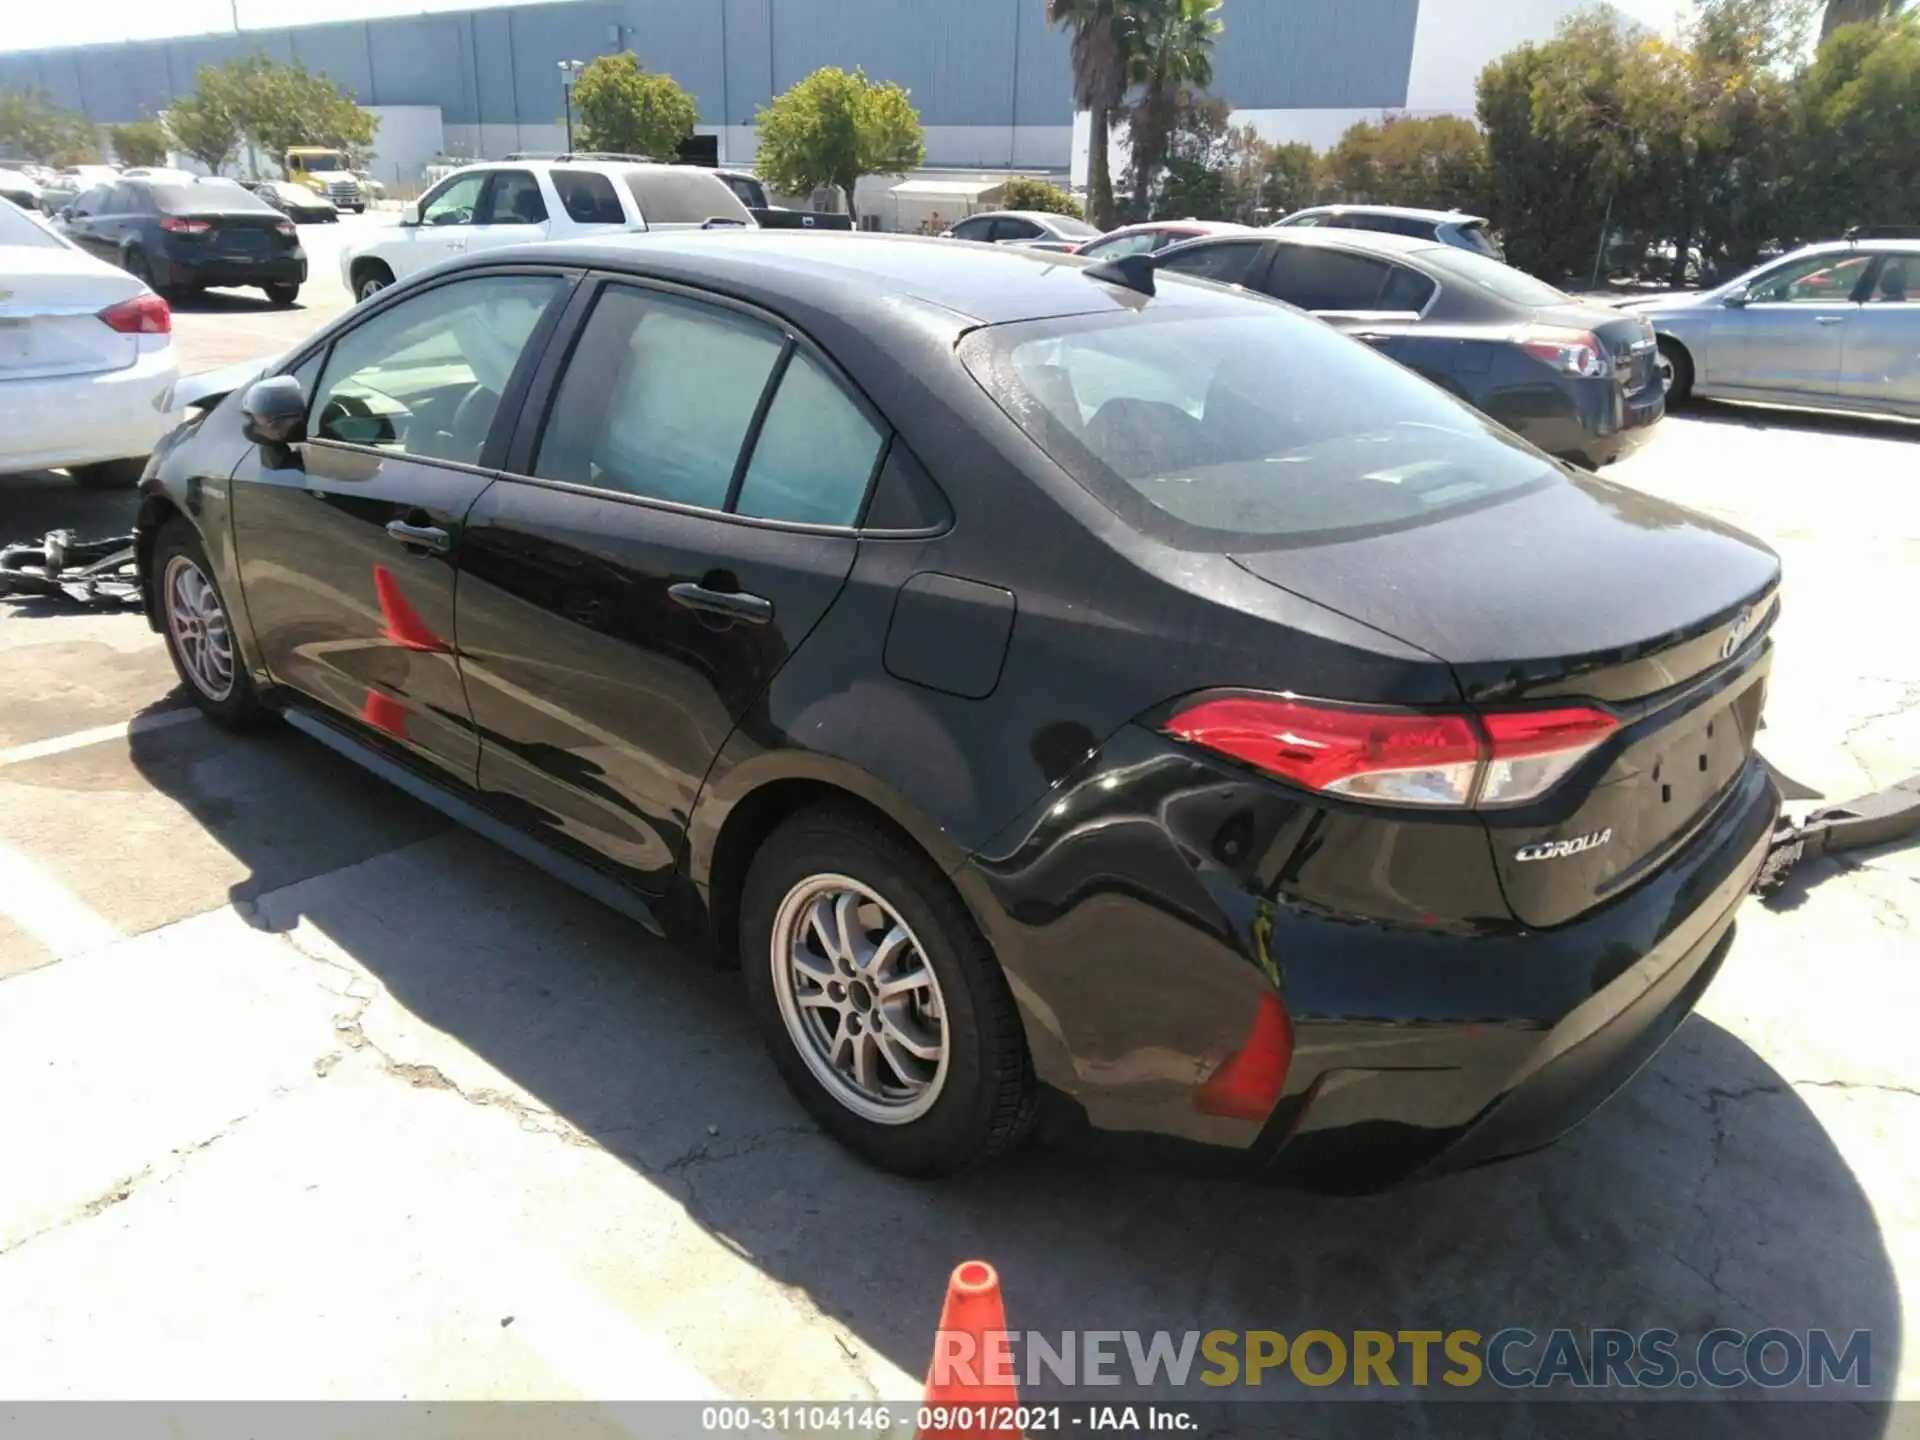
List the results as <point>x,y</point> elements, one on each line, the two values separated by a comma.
<point>1857,153</point>
<point>1292,178</point>
<point>202,125</point>
<point>626,110</point>
<point>1837,13</point>
<point>1438,162</point>
<point>1169,49</point>
<point>35,128</point>
<point>1100,61</point>
<point>833,127</point>
<point>1026,192</point>
<point>1193,181</point>
<point>143,142</point>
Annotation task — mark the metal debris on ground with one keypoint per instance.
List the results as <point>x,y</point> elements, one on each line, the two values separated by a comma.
<point>1875,819</point>
<point>63,567</point>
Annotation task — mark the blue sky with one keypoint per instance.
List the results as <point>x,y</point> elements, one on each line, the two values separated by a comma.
<point>31,25</point>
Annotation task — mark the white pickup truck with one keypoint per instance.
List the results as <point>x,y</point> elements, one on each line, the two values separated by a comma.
<point>490,206</point>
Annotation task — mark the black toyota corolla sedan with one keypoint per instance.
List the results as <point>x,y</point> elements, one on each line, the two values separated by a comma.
<point>1153,715</point>
<point>1579,380</point>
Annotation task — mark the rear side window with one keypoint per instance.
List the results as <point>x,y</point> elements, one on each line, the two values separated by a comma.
<point>683,195</point>
<point>1406,290</point>
<point>1314,277</point>
<point>1141,244</point>
<point>1244,429</point>
<point>815,453</point>
<point>658,398</point>
<point>589,197</point>
<point>1226,263</point>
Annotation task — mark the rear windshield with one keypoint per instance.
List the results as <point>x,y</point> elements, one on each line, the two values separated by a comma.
<point>1491,276</point>
<point>684,197</point>
<point>19,228</point>
<point>1245,430</point>
<point>1474,233</point>
<point>201,199</point>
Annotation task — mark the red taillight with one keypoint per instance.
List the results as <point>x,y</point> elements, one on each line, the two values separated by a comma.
<point>285,227</point>
<point>143,315</point>
<point>1400,756</point>
<point>177,226</point>
<point>1572,352</point>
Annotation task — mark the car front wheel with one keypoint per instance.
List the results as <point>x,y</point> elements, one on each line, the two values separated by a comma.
<point>884,1008</point>
<point>1676,372</point>
<point>370,279</point>
<point>199,634</point>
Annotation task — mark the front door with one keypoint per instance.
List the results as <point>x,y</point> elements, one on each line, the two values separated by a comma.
<point>446,225</point>
<point>618,615</point>
<point>1789,336</point>
<point>512,212</point>
<point>1882,367</point>
<point>347,543</point>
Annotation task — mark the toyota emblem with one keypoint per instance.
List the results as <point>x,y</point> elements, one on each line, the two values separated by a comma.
<point>1737,635</point>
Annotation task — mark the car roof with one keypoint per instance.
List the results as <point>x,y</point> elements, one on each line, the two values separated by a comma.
<point>861,275</point>
<point>1380,241</point>
<point>1039,217</point>
<point>1198,227</point>
<point>1404,212</point>
<point>605,167</point>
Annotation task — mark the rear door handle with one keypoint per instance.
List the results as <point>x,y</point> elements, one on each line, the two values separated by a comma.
<point>420,537</point>
<point>1830,319</point>
<point>734,604</point>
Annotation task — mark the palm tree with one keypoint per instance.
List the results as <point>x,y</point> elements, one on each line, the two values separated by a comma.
<point>1851,12</point>
<point>1169,49</point>
<point>1099,85</point>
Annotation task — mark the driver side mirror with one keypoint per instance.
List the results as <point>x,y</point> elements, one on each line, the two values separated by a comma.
<point>1736,297</point>
<point>66,212</point>
<point>411,215</point>
<point>275,411</point>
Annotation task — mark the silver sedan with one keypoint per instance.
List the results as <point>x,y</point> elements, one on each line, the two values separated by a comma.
<point>1835,326</point>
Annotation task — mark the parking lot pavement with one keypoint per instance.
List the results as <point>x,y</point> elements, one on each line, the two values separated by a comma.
<point>310,1095</point>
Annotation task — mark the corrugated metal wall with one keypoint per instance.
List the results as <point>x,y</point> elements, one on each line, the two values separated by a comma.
<point>967,62</point>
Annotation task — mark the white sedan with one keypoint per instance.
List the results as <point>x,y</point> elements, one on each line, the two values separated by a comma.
<point>86,360</point>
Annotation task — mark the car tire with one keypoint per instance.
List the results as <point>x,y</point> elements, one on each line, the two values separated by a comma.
<point>199,636</point>
<point>135,263</point>
<point>109,474</point>
<point>282,295</point>
<point>1676,367</point>
<point>976,1093</point>
<point>370,277</point>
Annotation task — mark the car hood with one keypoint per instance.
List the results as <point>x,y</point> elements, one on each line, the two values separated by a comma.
<point>1556,580</point>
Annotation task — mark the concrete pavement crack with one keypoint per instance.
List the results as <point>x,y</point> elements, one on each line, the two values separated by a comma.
<point>703,1153</point>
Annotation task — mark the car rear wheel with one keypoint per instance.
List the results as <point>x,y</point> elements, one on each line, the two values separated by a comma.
<point>199,635</point>
<point>282,294</point>
<point>109,474</point>
<point>1676,371</point>
<point>884,1008</point>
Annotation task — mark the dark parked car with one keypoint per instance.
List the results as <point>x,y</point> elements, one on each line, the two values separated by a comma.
<point>1581,381</point>
<point>1445,227</point>
<point>296,202</point>
<point>180,237</point>
<point>753,194</point>
<point>1155,713</point>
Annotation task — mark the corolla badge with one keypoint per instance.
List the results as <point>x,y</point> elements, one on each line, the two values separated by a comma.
<point>1742,623</point>
<point>1561,849</point>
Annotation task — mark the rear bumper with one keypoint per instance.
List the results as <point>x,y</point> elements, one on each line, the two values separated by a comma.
<point>1595,422</point>
<point>84,419</point>
<point>1420,1046</point>
<point>282,269</point>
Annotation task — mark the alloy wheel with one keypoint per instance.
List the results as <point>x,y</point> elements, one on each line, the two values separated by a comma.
<point>1665,363</point>
<point>197,625</point>
<point>370,287</point>
<point>860,1000</point>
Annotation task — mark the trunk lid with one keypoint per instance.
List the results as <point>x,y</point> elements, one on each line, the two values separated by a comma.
<point>1628,338</point>
<point>1578,590</point>
<point>49,314</point>
<point>245,232</point>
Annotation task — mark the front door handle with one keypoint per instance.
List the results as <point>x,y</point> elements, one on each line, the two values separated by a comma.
<point>420,537</point>
<point>1829,319</point>
<point>734,604</point>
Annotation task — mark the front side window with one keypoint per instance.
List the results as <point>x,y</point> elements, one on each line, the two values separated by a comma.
<point>1227,263</point>
<point>456,203</point>
<point>425,377</point>
<point>1008,228</point>
<point>975,229</point>
<point>658,398</point>
<point>1812,280</point>
<point>1246,430</point>
<point>815,453</point>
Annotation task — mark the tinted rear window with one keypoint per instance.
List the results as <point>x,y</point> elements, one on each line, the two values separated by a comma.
<point>206,199</point>
<point>1072,228</point>
<point>1244,431</point>
<point>1491,276</point>
<point>684,197</point>
<point>1473,235</point>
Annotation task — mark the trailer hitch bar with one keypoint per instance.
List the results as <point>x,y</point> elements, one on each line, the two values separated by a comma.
<point>1875,819</point>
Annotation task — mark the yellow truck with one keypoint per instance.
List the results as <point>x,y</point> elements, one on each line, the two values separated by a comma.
<point>330,172</point>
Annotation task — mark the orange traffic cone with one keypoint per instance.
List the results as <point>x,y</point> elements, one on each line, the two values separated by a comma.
<point>972,1375</point>
<point>404,625</point>
<point>1248,1083</point>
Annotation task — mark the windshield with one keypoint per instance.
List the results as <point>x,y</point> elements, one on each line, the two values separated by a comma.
<point>1504,281</point>
<point>320,162</point>
<point>1246,430</point>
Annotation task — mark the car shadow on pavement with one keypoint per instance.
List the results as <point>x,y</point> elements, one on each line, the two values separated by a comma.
<point>1706,1194</point>
<point>1820,422</point>
<point>228,302</point>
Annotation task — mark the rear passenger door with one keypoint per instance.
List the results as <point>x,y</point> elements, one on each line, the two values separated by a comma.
<point>512,211</point>
<point>677,514</point>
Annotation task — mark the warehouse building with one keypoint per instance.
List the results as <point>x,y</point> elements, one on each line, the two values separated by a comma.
<point>992,82</point>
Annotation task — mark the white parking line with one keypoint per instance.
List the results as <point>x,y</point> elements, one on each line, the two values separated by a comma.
<point>80,739</point>
<point>46,910</point>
